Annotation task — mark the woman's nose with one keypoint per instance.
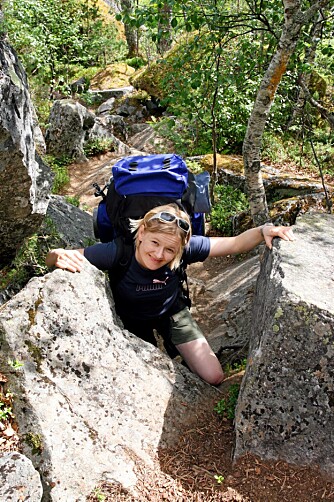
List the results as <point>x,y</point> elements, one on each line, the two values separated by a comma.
<point>159,253</point>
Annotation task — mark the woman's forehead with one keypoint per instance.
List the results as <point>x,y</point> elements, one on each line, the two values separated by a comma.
<point>164,238</point>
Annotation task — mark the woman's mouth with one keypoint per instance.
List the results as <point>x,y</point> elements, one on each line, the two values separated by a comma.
<point>155,260</point>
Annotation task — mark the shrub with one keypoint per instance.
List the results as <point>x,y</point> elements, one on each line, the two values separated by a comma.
<point>235,367</point>
<point>74,200</point>
<point>226,406</point>
<point>59,166</point>
<point>96,146</point>
<point>136,62</point>
<point>30,259</point>
<point>229,201</point>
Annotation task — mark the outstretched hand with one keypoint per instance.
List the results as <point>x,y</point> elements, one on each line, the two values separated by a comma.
<point>270,231</point>
<point>67,259</point>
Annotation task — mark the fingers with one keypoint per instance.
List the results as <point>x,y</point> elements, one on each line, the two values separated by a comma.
<point>268,241</point>
<point>71,260</point>
<point>285,233</point>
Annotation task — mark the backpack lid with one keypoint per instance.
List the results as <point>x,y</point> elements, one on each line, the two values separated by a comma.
<point>165,175</point>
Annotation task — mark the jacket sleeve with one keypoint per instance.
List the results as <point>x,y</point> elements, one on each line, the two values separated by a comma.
<point>198,249</point>
<point>102,255</point>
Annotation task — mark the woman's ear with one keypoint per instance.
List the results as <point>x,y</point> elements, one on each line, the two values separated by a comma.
<point>141,231</point>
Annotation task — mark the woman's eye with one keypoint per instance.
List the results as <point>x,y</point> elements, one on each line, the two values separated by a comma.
<point>171,251</point>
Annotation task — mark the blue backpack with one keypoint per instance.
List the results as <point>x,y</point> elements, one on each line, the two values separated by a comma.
<point>139,183</point>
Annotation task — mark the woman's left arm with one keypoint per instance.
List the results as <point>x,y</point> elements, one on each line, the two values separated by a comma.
<point>248,240</point>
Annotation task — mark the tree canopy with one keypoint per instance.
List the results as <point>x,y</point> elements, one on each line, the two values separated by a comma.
<point>235,57</point>
<point>238,73</point>
<point>51,36</point>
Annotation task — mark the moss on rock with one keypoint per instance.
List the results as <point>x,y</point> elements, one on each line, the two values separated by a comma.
<point>112,77</point>
<point>153,79</point>
<point>233,163</point>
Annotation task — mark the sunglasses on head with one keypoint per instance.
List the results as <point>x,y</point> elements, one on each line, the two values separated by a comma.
<point>166,217</point>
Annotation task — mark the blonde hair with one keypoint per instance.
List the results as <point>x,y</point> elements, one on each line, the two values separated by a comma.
<point>156,226</point>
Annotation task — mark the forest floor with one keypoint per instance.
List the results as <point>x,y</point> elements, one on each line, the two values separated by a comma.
<point>199,466</point>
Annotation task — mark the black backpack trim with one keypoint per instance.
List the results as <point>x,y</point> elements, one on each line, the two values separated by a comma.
<point>120,208</point>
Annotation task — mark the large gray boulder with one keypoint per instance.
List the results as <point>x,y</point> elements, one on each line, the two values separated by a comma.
<point>68,128</point>
<point>24,179</point>
<point>71,126</point>
<point>111,127</point>
<point>19,480</point>
<point>92,399</point>
<point>73,226</point>
<point>286,405</point>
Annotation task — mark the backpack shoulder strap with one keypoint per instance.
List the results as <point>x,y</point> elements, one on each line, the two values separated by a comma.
<point>183,278</point>
<point>123,259</point>
<point>125,251</point>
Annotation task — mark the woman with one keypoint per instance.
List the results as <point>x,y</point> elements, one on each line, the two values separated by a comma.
<point>149,295</point>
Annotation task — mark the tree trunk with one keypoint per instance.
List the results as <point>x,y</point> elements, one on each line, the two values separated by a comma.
<point>214,176</point>
<point>294,19</point>
<point>2,31</point>
<point>131,36</point>
<point>131,33</point>
<point>164,29</point>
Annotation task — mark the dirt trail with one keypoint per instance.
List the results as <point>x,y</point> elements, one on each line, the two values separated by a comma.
<point>84,174</point>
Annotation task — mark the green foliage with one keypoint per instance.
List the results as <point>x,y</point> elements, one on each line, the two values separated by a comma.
<point>210,79</point>
<point>228,202</point>
<point>99,495</point>
<point>98,145</point>
<point>287,149</point>
<point>40,96</point>
<point>50,36</point>
<point>226,406</point>
<point>206,88</point>
<point>6,411</point>
<point>75,201</point>
<point>75,72</point>
<point>15,364</point>
<point>219,478</point>
<point>88,98</point>
<point>235,367</point>
<point>137,62</point>
<point>325,59</point>
<point>34,441</point>
<point>59,166</point>
<point>30,259</point>
<point>194,166</point>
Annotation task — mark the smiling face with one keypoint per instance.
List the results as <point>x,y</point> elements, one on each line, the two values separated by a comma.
<point>156,249</point>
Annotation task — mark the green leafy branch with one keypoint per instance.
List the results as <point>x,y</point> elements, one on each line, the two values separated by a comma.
<point>226,406</point>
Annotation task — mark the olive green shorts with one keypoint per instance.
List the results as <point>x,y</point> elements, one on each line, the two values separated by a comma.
<point>183,328</point>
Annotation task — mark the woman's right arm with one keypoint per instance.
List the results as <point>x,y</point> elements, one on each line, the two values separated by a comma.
<point>101,255</point>
<point>69,259</point>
